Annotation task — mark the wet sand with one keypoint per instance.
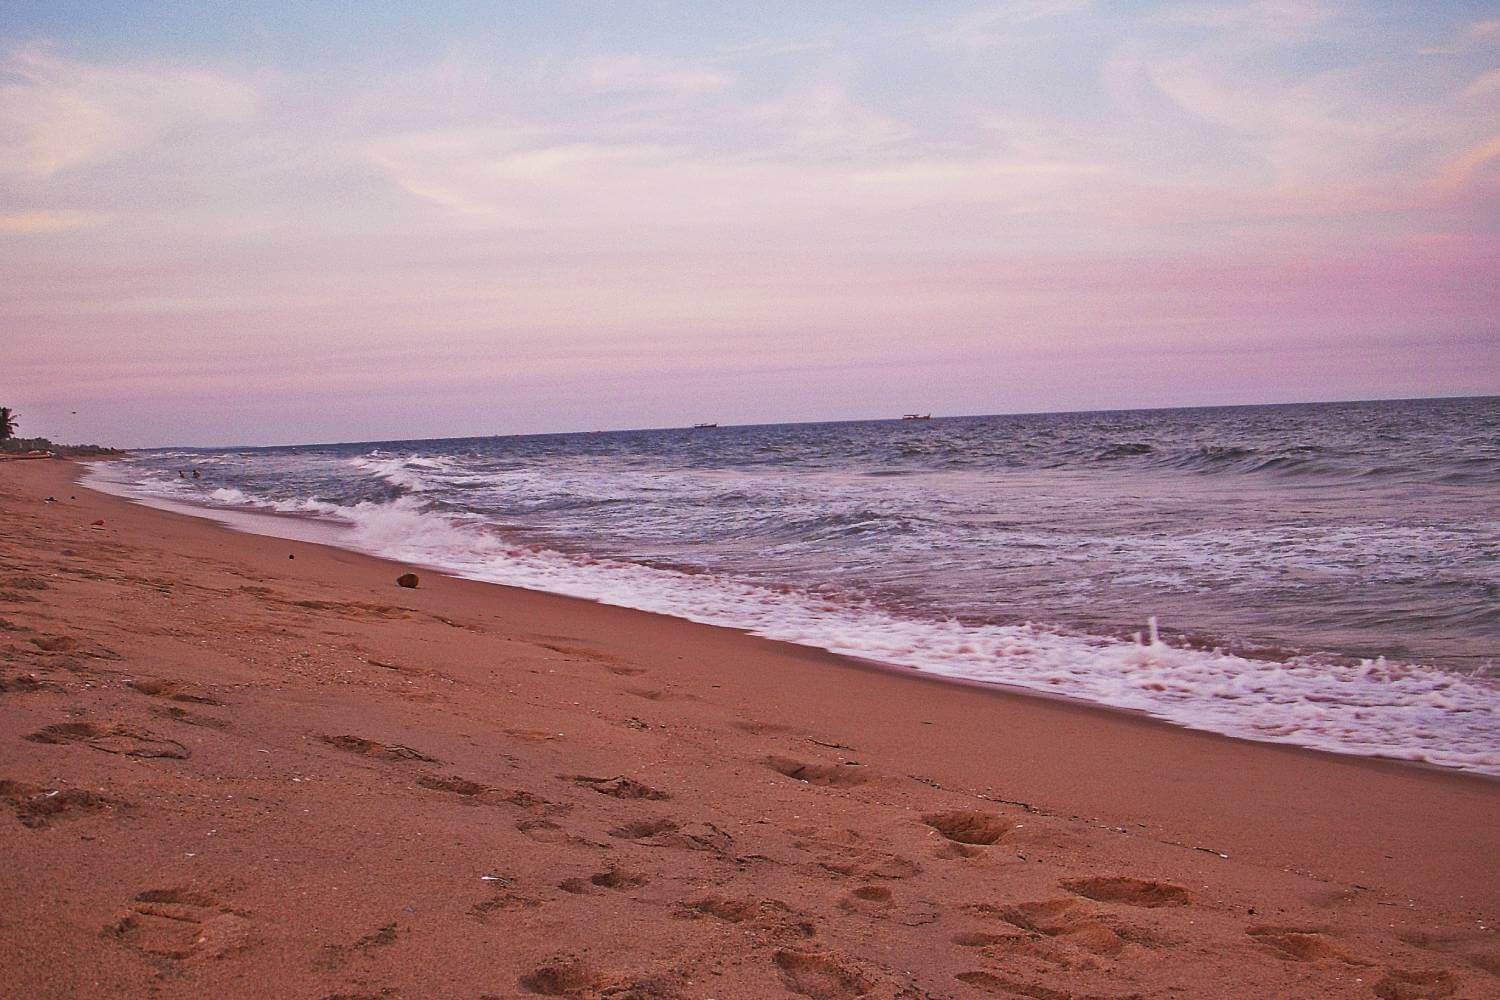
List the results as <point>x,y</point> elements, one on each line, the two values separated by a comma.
<point>227,772</point>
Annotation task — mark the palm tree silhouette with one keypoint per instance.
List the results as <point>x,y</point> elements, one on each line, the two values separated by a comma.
<point>7,423</point>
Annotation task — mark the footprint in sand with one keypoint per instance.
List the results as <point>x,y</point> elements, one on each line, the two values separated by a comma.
<point>70,644</point>
<point>533,735</point>
<point>870,900</point>
<point>879,903</point>
<point>455,785</point>
<point>870,864</point>
<point>1416,984</point>
<point>561,977</point>
<point>610,663</point>
<point>769,917</point>
<point>476,792</point>
<point>1131,891</point>
<point>567,976</point>
<point>473,791</point>
<point>334,955</point>
<point>379,751</point>
<point>832,775</point>
<point>180,924</point>
<point>1478,948</point>
<point>644,829</point>
<point>1065,920</point>
<point>1019,949</point>
<point>182,715</point>
<point>351,609</point>
<point>761,728</point>
<point>114,739</point>
<point>543,831</point>
<point>845,853</point>
<point>1301,944</point>
<point>25,684</point>
<point>502,901</point>
<point>65,732</point>
<point>1005,986</point>
<point>36,807</point>
<point>670,833</point>
<point>620,787</point>
<point>613,878</point>
<point>980,939</point>
<point>820,976</point>
<point>172,691</point>
<point>963,826</point>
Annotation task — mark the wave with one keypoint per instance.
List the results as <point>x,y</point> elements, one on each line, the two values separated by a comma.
<point>1367,707</point>
<point>1125,450</point>
<point>1371,707</point>
<point>399,471</point>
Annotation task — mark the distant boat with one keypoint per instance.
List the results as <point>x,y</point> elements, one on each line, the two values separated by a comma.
<point>916,416</point>
<point>699,427</point>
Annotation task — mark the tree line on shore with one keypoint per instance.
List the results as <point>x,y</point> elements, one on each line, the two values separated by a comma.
<point>9,441</point>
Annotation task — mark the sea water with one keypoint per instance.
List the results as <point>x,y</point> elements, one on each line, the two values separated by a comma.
<point>1324,575</point>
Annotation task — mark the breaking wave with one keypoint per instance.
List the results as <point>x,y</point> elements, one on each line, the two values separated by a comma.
<point>1330,574</point>
<point>1369,707</point>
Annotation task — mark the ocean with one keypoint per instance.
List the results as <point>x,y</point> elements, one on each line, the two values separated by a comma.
<point>1324,575</point>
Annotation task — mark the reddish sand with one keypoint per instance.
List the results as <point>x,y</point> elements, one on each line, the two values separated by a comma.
<point>226,772</point>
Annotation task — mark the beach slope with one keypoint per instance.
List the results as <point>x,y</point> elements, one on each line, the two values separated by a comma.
<point>234,765</point>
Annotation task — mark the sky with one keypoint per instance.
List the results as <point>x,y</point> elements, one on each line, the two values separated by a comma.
<point>276,222</point>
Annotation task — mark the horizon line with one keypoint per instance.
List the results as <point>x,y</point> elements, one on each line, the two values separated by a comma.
<point>814,423</point>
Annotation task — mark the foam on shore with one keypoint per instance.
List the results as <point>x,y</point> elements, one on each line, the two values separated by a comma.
<point>1352,706</point>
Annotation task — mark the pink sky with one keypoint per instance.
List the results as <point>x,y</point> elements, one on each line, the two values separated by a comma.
<point>545,226</point>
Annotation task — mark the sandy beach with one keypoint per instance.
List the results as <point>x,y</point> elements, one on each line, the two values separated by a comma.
<point>241,766</point>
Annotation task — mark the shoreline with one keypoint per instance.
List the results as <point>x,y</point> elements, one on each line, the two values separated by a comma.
<point>307,775</point>
<point>317,530</point>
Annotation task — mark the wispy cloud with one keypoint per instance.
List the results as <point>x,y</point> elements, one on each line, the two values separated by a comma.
<point>50,221</point>
<point>1484,84</point>
<point>59,114</point>
<point>997,24</point>
<point>633,74</point>
<point>1265,20</point>
<point>1468,165</point>
<point>1478,36</point>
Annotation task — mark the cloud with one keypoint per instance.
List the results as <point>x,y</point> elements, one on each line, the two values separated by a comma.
<point>1485,83</point>
<point>778,48</point>
<point>1478,36</point>
<point>635,74</point>
<point>27,223</point>
<point>1256,22</point>
<point>508,177</point>
<point>820,117</point>
<point>1361,134</point>
<point>1467,166</point>
<point>60,114</point>
<point>996,25</point>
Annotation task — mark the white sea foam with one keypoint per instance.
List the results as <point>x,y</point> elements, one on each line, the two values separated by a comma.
<point>396,470</point>
<point>1365,707</point>
<point>192,492</point>
<point>230,495</point>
